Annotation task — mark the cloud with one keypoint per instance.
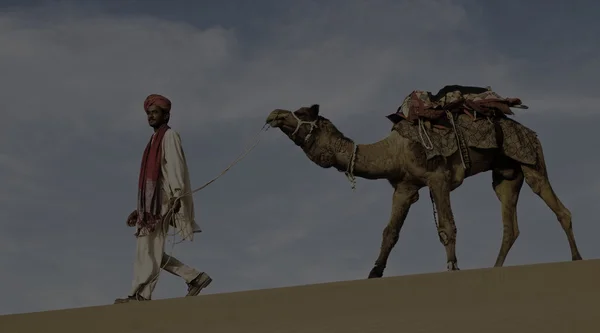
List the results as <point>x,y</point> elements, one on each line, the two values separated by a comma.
<point>75,78</point>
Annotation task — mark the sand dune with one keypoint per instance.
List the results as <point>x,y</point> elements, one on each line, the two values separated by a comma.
<point>544,298</point>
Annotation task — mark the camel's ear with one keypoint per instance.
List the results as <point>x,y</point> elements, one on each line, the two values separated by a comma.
<point>314,111</point>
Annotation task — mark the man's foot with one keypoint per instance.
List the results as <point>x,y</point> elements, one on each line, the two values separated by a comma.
<point>135,298</point>
<point>197,284</point>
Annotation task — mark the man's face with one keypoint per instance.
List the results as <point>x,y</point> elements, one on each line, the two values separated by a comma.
<point>156,116</point>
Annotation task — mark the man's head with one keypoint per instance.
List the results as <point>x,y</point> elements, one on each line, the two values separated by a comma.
<point>158,110</point>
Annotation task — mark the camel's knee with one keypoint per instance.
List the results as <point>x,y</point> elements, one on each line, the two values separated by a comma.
<point>447,234</point>
<point>391,234</point>
<point>511,239</point>
<point>515,234</point>
<point>510,233</point>
<point>564,217</point>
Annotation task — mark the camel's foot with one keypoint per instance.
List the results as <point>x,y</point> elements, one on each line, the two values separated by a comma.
<point>376,272</point>
<point>452,266</point>
<point>499,262</point>
<point>577,257</point>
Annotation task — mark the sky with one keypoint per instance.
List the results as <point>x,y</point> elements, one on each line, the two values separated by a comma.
<point>75,74</point>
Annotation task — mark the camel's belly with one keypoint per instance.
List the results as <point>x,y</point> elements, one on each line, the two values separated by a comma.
<point>480,160</point>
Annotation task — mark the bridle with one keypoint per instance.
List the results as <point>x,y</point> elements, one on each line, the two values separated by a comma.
<point>300,122</point>
<point>313,124</point>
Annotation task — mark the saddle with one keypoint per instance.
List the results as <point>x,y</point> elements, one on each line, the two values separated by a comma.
<point>440,109</point>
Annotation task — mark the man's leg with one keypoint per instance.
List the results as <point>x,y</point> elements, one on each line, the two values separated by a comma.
<point>195,280</point>
<point>146,266</point>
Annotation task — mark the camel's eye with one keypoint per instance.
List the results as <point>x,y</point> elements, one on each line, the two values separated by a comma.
<point>302,114</point>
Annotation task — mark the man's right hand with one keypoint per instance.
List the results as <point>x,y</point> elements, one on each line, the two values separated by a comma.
<point>132,218</point>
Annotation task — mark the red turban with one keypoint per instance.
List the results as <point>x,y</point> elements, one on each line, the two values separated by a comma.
<point>158,100</point>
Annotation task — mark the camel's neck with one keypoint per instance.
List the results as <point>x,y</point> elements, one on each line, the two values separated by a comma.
<point>372,161</point>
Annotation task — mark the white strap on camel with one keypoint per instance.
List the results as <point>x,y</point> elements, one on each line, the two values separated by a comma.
<point>300,122</point>
<point>350,171</point>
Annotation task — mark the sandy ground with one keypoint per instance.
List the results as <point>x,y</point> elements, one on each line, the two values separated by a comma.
<point>548,298</point>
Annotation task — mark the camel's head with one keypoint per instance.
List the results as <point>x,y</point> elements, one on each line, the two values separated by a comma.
<point>316,135</point>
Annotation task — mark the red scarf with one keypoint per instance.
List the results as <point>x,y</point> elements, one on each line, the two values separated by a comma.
<point>149,189</point>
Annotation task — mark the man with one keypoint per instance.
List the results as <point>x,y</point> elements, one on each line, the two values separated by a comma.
<point>163,180</point>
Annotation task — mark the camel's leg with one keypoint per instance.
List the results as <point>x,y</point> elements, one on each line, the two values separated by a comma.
<point>507,191</point>
<point>404,196</point>
<point>537,179</point>
<point>439,185</point>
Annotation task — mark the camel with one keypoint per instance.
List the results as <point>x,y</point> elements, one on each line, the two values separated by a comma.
<point>403,164</point>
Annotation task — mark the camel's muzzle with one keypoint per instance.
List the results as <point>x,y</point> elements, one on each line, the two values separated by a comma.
<point>275,118</point>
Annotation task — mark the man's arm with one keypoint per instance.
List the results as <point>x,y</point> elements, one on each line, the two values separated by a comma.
<point>175,162</point>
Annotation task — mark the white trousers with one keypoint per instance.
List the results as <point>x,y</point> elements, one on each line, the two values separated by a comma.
<point>150,258</point>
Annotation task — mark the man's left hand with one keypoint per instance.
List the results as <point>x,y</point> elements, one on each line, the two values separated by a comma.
<point>175,204</point>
